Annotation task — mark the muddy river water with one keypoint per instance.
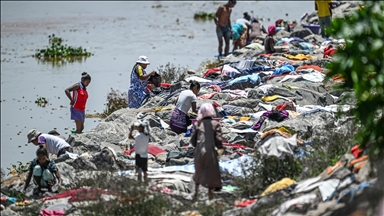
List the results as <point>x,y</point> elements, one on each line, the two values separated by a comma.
<point>116,33</point>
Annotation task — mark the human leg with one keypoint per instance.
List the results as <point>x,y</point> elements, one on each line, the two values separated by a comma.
<point>227,39</point>
<point>79,126</point>
<point>327,23</point>
<point>48,178</point>
<point>37,176</point>
<point>219,34</point>
<point>210,193</point>
<point>196,191</point>
<point>322,25</point>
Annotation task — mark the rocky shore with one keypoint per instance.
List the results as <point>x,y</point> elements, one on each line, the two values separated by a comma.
<point>284,119</point>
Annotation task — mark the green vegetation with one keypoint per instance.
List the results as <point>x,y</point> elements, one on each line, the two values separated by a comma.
<point>361,64</point>
<point>57,50</point>
<point>115,101</point>
<point>171,73</point>
<point>41,102</point>
<point>204,16</point>
<point>18,169</point>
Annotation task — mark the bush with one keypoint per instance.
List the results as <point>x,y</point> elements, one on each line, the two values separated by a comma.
<point>170,73</point>
<point>361,64</point>
<point>115,101</point>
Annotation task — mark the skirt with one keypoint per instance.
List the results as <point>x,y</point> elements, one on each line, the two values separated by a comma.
<point>77,115</point>
<point>179,121</point>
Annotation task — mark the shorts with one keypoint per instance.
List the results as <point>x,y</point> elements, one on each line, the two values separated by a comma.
<point>141,163</point>
<point>324,22</point>
<point>225,31</point>
<point>77,115</point>
<point>45,174</point>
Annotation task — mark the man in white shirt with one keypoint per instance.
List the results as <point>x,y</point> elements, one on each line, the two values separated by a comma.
<point>141,148</point>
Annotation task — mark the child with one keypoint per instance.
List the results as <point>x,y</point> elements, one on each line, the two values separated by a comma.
<point>42,170</point>
<point>79,100</point>
<point>141,144</point>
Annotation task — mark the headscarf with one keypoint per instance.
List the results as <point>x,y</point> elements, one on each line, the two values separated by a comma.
<point>206,110</point>
<point>254,19</point>
<point>271,29</point>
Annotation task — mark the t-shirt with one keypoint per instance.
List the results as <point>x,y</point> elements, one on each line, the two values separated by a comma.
<point>53,143</point>
<point>51,165</point>
<point>243,21</point>
<point>141,144</point>
<point>184,103</point>
<point>139,70</point>
<point>323,8</point>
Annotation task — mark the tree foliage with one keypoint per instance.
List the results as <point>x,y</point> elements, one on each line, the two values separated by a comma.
<point>361,64</point>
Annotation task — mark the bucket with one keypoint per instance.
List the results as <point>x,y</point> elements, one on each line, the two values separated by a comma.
<point>315,29</point>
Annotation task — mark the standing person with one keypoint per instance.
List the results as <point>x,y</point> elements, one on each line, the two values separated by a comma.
<point>223,25</point>
<point>79,100</point>
<point>42,170</point>
<point>53,144</point>
<point>256,29</point>
<point>180,121</point>
<point>141,144</point>
<point>139,82</point>
<point>324,13</point>
<point>269,42</point>
<point>205,137</point>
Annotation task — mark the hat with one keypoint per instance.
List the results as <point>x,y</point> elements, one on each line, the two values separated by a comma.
<point>142,60</point>
<point>32,135</point>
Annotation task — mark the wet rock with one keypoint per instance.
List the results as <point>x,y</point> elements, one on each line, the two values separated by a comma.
<point>82,163</point>
<point>154,121</point>
<point>164,115</point>
<point>179,162</point>
<point>68,174</point>
<point>105,160</point>
<point>301,32</point>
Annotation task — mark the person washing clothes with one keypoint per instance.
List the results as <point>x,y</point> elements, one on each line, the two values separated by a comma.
<point>141,144</point>
<point>180,121</point>
<point>79,100</point>
<point>324,12</point>
<point>246,20</point>
<point>269,42</point>
<point>53,144</point>
<point>205,137</point>
<point>256,29</point>
<point>43,170</point>
<point>139,82</point>
<point>223,25</point>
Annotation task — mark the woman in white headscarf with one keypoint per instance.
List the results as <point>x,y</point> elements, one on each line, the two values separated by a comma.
<point>205,137</point>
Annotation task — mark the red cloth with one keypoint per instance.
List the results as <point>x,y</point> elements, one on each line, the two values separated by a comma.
<point>212,70</point>
<point>165,85</point>
<point>207,96</point>
<point>356,151</point>
<point>235,146</point>
<point>329,51</point>
<point>314,67</point>
<point>265,55</point>
<point>46,212</point>
<point>245,203</point>
<point>77,195</point>
<point>3,198</point>
<point>215,87</point>
<point>153,150</point>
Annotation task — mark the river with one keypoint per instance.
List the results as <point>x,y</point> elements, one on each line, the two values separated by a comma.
<point>116,33</point>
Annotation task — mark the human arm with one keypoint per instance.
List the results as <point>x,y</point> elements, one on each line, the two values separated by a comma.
<point>217,15</point>
<point>130,136</point>
<point>271,44</point>
<point>146,76</point>
<point>263,29</point>
<point>68,90</point>
<point>194,107</point>
<point>58,178</point>
<point>28,180</point>
<point>194,136</point>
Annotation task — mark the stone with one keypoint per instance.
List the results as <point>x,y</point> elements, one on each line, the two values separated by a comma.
<point>301,32</point>
<point>67,174</point>
<point>82,163</point>
<point>105,160</point>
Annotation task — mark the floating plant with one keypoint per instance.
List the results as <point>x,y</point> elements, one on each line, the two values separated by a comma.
<point>204,16</point>
<point>41,102</point>
<point>18,169</point>
<point>57,52</point>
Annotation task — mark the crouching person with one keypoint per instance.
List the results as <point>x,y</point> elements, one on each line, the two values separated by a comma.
<point>141,144</point>
<point>53,144</point>
<point>43,171</point>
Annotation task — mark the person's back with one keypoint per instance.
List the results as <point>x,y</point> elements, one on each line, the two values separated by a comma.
<point>255,30</point>
<point>323,8</point>
<point>141,145</point>
<point>185,100</point>
<point>267,44</point>
<point>53,143</point>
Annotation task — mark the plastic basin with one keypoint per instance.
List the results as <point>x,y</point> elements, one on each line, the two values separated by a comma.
<point>315,29</point>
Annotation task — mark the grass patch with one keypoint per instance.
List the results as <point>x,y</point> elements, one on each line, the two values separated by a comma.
<point>204,16</point>
<point>171,73</point>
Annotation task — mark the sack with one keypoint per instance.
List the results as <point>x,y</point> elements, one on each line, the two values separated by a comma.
<point>286,106</point>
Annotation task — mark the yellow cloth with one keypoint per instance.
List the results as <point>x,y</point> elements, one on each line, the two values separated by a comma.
<point>243,118</point>
<point>231,117</point>
<point>283,183</point>
<point>283,129</point>
<point>158,109</point>
<point>139,71</point>
<point>323,8</point>
<point>299,57</point>
<point>270,98</point>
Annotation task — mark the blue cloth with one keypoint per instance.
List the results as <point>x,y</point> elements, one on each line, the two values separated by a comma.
<point>137,89</point>
<point>253,78</point>
<point>306,46</point>
<point>283,69</point>
<point>237,29</point>
<point>255,69</point>
<point>237,167</point>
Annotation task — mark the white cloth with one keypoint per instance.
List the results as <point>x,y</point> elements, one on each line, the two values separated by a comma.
<point>197,79</point>
<point>141,144</point>
<point>184,102</point>
<point>305,199</point>
<point>277,146</point>
<point>326,188</point>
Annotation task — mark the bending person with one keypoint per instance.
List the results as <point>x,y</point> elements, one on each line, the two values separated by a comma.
<point>53,144</point>
<point>205,137</point>
<point>139,82</point>
<point>79,100</point>
<point>42,170</point>
<point>180,121</point>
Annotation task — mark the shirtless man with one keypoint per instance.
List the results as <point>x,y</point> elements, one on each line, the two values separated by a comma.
<point>223,25</point>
